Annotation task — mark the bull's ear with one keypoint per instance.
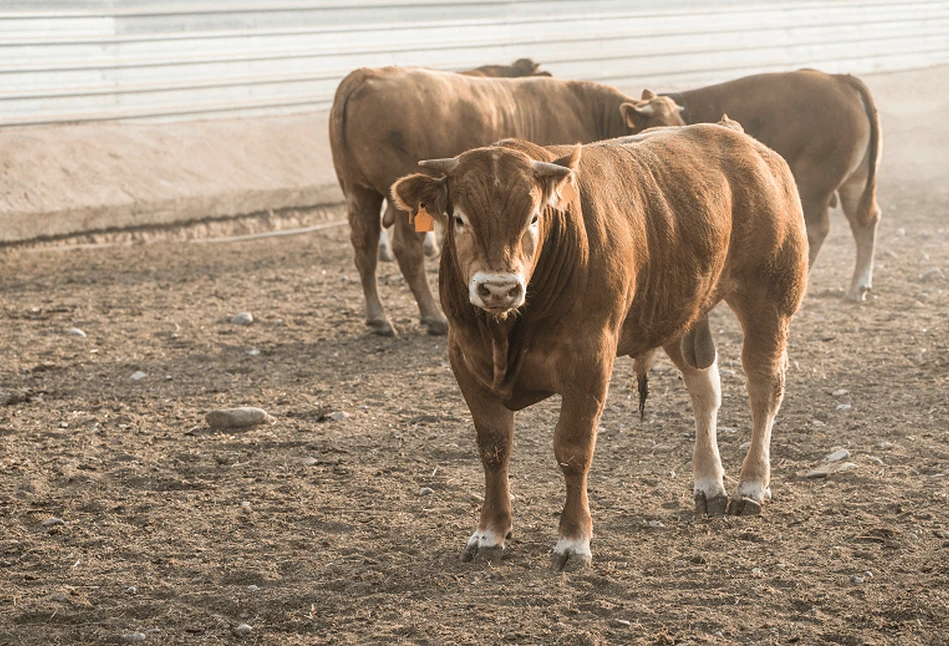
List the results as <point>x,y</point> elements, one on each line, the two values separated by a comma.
<point>558,178</point>
<point>648,95</point>
<point>413,192</point>
<point>637,115</point>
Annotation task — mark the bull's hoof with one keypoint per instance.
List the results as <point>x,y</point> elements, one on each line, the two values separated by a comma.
<point>483,547</point>
<point>713,507</point>
<point>436,327</point>
<point>569,561</point>
<point>382,327</point>
<point>857,294</point>
<point>744,507</point>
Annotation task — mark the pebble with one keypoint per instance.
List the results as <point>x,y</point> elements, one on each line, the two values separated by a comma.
<point>744,445</point>
<point>76,332</point>
<point>133,637</point>
<point>138,375</point>
<point>932,275</point>
<point>901,232</point>
<point>426,491</point>
<point>253,352</point>
<point>309,462</point>
<point>245,504</point>
<point>242,318</point>
<point>52,522</point>
<point>839,392</point>
<point>837,456</point>
<point>338,416</point>
<point>816,423</point>
<point>243,629</point>
<point>827,469</point>
<point>243,417</point>
<point>131,589</point>
<point>885,445</point>
<point>844,406</point>
<point>656,523</point>
<point>253,588</point>
<point>623,622</point>
<point>857,579</point>
<point>875,460</point>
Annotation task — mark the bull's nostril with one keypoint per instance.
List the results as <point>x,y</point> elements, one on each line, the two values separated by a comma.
<point>483,291</point>
<point>514,292</point>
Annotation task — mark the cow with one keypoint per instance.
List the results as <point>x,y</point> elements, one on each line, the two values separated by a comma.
<point>383,121</point>
<point>520,67</point>
<point>827,128</point>
<point>559,259</point>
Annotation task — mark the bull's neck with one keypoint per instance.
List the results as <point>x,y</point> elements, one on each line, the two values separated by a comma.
<point>605,102</point>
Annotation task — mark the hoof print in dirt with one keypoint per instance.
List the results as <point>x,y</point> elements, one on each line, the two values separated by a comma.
<point>711,507</point>
<point>744,507</point>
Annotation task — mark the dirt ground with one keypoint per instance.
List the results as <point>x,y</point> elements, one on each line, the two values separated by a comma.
<point>124,518</point>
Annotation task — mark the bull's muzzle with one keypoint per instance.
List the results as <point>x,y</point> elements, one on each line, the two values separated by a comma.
<point>497,292</point>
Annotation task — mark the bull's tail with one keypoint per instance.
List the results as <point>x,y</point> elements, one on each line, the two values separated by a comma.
<point>868,209</point>
<point>641,366</point>
<point>337,121</point>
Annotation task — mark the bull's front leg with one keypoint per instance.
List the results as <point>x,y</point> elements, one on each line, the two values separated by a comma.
<point>494,425</point>
<point>574,440</point>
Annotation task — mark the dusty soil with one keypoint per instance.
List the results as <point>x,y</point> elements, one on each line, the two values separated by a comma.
<point>316,530</point>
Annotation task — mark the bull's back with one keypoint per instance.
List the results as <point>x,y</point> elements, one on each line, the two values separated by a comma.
<point>393,117</point>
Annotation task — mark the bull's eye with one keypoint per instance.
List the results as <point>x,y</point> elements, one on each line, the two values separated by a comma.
<point>459,223</point>
<point>534,220</point>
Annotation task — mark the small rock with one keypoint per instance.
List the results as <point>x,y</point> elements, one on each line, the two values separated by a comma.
<point>243,629</point>
<point>857,580</point>
<point>253,352</point>
<point>932,275</point>
<point>243,318</point>
<point>837,456</point>
<point>133,637</point>
<point>816,423</point>
<point>901,232</point>
<point>743,446</point>
<point>53,522</point>
<point>426,491</point>
<point>656,523</point>
<point>309,462</point>
<point>839,392</point>
<point>867,574</point>
<point>131,589</point>
<point>844,406</point>
<point>757,571</point>
<point>727,372</point>
<point>253,588</point>
<point>138,375</point>
<point>876,461</point>
<point>885,445</point>
<point>828,469</point>
<point>623,622</point>
<point>819,472</point>
<point>243,417</point>
<point>74,331</point>
<point>245,504</point>
<point>338,416</point>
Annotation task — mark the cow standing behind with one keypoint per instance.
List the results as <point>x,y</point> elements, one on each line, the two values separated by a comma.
<point>558,260</point>
<point>825,126</point>
<point>520,67</point>
<point>384,121</point>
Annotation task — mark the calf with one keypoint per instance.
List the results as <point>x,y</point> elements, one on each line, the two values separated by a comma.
<point>826,127</point>
<point>383,121</point>
<point>559,259</point>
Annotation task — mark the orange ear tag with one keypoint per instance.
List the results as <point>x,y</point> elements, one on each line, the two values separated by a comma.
<point>423,221</point>
<point>568,193</point>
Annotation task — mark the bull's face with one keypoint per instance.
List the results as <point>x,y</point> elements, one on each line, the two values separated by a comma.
<point>651,111</point>
<point>494,203</point>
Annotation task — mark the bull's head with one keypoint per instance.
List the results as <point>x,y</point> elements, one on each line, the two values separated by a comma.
<point>651,111</point>
<point>493,203</point>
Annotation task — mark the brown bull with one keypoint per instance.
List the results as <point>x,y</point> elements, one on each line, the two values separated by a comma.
<point>825,126</point>
<point>559,259</point>
<point>384,121</point>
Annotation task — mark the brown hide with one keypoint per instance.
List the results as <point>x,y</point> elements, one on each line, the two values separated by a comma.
<point>827,128</point>
<point>665,226</point>
<point>520,67</point>
<point>384,121</point>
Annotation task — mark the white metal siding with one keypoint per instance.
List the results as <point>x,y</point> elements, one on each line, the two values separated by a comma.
<point>81,60</point>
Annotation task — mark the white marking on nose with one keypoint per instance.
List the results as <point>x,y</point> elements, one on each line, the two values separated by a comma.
<point>498,292</point>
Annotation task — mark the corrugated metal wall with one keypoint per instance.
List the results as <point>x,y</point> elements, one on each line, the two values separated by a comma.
<point>81,60</point>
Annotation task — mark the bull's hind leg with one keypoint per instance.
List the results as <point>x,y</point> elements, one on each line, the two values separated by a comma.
<point>695,357</point>
<point>817,221</point>
<point>494,425</point>
<point>863,225</point>
<point>407,245</point>
<point>363,211</point>
<point>764,359</point>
